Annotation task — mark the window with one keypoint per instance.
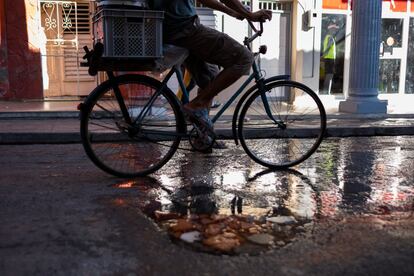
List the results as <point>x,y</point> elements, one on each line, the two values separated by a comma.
<point>275,6</point>
<point>81,15</point>
<point>389,76</point>
<point>391,35</point>
<point>409,81</point>
<point>390,64</point>
<point>246,3</point>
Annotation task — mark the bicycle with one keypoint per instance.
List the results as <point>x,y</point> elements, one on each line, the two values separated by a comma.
<point>132,124</point>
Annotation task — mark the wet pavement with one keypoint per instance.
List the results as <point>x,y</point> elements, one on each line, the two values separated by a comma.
<point>349,209</point>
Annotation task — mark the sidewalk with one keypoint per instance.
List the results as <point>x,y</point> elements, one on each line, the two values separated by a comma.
<point>58,122</point>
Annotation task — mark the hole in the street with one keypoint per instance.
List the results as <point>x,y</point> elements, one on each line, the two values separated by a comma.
<point>242,215</point>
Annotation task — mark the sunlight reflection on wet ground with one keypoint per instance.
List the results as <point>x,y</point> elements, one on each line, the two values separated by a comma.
<point>227,190</point>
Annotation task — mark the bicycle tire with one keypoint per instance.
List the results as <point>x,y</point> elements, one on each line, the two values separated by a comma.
<point>298,120</point>
<point>131,150</point>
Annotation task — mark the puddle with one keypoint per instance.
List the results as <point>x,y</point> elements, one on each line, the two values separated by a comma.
<point>224,203</point>
<point>252,213</point>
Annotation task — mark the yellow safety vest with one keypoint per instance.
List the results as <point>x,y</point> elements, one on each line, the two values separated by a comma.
<point>331,52</point>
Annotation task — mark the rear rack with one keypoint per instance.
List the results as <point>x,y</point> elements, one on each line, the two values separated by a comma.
<point>96,62</point>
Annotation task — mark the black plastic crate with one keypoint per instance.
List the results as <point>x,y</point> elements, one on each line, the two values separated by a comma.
<point>129,33</point>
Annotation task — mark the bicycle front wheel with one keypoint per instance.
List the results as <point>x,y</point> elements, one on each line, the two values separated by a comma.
<point>282,126</point>
<point>140,144</point>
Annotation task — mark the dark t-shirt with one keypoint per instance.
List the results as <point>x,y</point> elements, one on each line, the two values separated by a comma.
<point>178,13</point>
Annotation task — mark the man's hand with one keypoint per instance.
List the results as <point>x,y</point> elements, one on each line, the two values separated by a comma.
<point>236,9</point>
<point>260,16</point>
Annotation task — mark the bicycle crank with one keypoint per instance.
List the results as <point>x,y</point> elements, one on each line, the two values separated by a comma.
<point>201,140</point>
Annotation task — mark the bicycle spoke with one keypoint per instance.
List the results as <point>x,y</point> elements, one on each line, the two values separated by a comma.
<point>131,150</point>
<point>105,127</point>
<point>105,109</point>
<point>292,141</point>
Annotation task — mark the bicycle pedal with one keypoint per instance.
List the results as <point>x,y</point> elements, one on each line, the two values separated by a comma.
<point>201,141</point>
<point>202,131</point>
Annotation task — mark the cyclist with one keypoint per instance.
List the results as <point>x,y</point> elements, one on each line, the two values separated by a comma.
<point>208,48</point>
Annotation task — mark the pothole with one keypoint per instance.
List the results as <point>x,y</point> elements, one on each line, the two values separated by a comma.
<point>233,218</point>
<point>231,234</point>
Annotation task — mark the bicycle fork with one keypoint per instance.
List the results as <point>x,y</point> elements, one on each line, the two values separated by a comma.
<point>262,89</point>
<point>119,98</point>
<point>130,124</point>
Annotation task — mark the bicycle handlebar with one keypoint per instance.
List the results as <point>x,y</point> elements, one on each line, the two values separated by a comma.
<point>257,33</point>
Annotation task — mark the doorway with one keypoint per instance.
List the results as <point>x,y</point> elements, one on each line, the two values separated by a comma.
<point>277,36</point>
<point>391,55</point>
<point>66,28</point>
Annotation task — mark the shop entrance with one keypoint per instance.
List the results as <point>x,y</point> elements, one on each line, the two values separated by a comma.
<point>397,49</point>
<point>409,76</point>
<point>391,56</point>
<point>332,56</point>
<point>277,36</point>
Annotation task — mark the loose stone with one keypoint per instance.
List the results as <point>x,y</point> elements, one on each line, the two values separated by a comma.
<point>280,243</point>
<point>282,220</point>
<point>262,239</point>
<point>191,237</point>
<point>220,242</point>
<point>182,225</point>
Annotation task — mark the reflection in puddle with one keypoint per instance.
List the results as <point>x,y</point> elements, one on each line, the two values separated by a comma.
<point>126,185</point>
<point>250,214</point>
<point>226,203</point>
<point>364,174</point>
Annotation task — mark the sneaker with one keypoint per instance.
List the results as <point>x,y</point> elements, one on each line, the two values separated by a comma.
<point>215,104</point>
<point>205,139</point>
<point>200,118</point>
<point>200,146</point>
<point>219,145</point>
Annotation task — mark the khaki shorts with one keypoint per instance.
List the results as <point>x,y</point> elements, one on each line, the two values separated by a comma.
<point>209,49</point>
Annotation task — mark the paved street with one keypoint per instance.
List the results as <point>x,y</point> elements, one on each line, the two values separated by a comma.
<point>59,214</point>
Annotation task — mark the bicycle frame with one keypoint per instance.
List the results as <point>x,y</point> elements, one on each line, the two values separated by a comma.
<point>176,69</point>
<point>255,75</point>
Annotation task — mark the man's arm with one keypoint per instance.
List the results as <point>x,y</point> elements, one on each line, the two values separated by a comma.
<point>216,5</point>
<point>236,9</point>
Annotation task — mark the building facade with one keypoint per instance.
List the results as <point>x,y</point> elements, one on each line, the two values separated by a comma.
<point>308,39</point>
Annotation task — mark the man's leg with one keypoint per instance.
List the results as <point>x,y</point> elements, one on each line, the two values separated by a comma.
<point>215,47</point>
<point>202,72</point>
<point>327,84</point>
<point>224,79</point>
<point>329,74</point>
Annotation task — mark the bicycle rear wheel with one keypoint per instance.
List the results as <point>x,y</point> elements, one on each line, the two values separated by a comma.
<point>288,131</point>
<point>138,147</point>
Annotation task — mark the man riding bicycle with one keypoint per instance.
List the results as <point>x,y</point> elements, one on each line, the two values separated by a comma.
<point>208,48</point>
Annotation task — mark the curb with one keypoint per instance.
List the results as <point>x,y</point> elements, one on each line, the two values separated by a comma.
<point>369,131</point>
<point>222,133</point>
<point>75,114</point>
<point>39,115</point>
<point>39,138</point>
